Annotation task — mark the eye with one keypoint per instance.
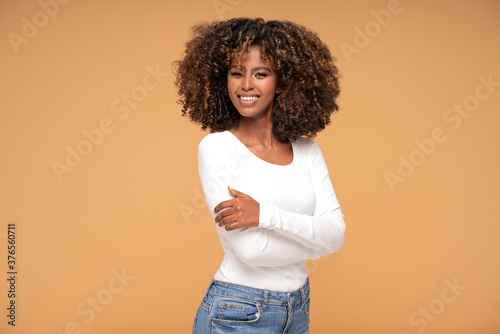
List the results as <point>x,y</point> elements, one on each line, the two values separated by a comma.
<point>235,74</point>
<point>261,75</point>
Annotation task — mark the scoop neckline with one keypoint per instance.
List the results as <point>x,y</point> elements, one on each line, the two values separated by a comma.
<point>264,161</point>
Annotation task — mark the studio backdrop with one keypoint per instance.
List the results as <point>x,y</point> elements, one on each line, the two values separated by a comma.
<point>103,225</point>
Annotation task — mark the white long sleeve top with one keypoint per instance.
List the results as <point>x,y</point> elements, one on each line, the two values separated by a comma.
<point>300,216</point>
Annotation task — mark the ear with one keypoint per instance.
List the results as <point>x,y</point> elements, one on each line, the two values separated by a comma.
<point>278,90</point>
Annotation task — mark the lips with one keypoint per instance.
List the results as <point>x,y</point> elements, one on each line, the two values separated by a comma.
<point>248,98</point>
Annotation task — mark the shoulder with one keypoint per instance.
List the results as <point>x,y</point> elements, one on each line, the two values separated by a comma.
<point>214,140</point>
<point>218,146</point>
<point>310,152</point>
<point>306,146</point>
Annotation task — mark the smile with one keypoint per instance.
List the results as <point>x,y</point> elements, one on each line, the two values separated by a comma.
<point>248,98</point>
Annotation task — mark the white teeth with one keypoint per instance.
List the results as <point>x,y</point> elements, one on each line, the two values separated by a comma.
<point>248,98</point>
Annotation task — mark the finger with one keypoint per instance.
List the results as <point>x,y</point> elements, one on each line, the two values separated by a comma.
<point>237,193</point>
<point>223,214</point>
<point>227,220</point>
<point>231,227</point>
<point>223,205</point>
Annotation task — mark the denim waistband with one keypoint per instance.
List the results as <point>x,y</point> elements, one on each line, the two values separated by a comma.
<point>259,295</point>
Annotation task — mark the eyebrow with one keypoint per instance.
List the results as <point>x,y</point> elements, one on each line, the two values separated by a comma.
<point>260,68</point>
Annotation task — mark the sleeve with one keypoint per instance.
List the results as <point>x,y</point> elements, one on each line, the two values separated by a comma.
<point>254,246</point>
<point>323,231</point>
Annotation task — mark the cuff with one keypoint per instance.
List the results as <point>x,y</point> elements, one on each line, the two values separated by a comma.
<point>265,214</point>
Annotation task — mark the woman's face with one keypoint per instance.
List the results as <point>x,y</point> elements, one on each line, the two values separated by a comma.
<point>252,86</point>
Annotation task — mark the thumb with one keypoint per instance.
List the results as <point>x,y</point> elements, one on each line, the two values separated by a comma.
<point>236,193</point>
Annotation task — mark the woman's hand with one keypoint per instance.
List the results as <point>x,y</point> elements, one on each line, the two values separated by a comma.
<point>242,211</point>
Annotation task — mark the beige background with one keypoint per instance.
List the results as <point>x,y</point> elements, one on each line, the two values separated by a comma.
<point>132,203</point>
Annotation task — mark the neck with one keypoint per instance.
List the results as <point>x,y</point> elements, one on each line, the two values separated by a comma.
<point>256,131</point>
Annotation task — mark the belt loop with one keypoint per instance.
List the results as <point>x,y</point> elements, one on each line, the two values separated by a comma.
<point>266,295</point>
<point>206,292</point>
<point>303,296</point>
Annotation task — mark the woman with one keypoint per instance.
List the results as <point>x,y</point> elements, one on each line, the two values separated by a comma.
<point>261,87</point>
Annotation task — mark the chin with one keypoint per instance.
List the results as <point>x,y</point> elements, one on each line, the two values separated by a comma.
<point>250,115</point>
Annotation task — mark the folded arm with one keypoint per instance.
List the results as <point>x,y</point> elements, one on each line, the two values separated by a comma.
<point>282,237</point>
<point>324,231</point>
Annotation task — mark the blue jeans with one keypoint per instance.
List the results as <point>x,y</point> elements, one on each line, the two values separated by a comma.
<point>231,308</point>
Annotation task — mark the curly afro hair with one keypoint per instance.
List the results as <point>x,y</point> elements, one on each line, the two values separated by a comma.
<point>304,67</point>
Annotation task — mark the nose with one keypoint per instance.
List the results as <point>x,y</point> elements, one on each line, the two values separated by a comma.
<point>247,83</point>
